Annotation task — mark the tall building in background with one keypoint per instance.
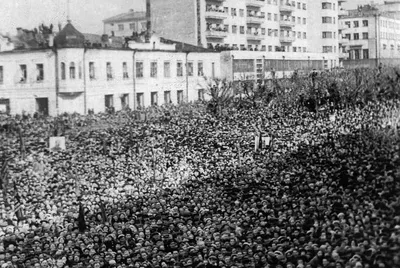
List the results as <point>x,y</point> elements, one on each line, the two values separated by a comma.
<point>262,25</point>
<point>126,24</point>
<point>370,35</point>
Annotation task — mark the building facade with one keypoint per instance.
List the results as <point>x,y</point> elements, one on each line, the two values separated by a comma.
<point>252,25</point>
<point>125,24</point>
<point>72,77</point>
<point>370,34</point>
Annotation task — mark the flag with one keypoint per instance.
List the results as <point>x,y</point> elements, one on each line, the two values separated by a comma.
<point>81,219</point>
<point>3,175</point>
<point>21,144</point>
<point>103,213</point>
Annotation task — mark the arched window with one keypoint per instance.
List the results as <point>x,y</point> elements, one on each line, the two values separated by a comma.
<point>80,70</point>
<point>72,70</point>
<point>62,71</point>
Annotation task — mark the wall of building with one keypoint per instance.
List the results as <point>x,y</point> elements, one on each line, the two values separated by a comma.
<point>128,27</point>
<point>22,95</point>
<point>175,19</point>
<point>242,65</point>
<point>81,89</point>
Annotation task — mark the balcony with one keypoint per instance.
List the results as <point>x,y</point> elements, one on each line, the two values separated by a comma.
<point>287,8</point>
<point>251,19</point>
<point>255,3</point>
<point>286,39</point>
<point>217,15</point>
<point>216,33</point>
<point>254,36</point>
<point>286,24</point>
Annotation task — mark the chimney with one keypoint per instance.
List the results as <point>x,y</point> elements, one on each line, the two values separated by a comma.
<point>148,15</point>
<point>51,40</point>
<point>104,38</point>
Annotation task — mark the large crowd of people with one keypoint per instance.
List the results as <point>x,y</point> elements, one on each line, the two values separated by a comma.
<point>188,189</point>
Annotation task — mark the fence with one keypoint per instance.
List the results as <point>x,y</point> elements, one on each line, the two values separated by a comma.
<point>371,63</point>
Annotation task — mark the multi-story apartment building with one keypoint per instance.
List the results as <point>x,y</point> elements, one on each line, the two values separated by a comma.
<point>125,24</point>
<point>371,33</point>
<point>261,25</point>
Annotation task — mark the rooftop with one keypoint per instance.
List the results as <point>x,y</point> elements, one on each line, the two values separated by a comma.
<point>129,16</point>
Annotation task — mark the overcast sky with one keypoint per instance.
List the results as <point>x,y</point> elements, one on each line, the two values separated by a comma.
<point>86,15</point>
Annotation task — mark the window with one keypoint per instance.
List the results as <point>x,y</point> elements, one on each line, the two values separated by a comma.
<point>109,71</point>
<point>154,98</point>
<point>355,24</point>
<point>294,49</point>
<point>242,47</point>
<point>270,48</point>
<point>92,71</point>
<point>1,75</point>
<point>327,49</point>
<point>365,23</point>
<point>275,17</point>
<point>263,31</point>
<point>39,72</point>
<point>304,35</point>
<point>213,69</point>
<point>167,97</point>
<point>139,69</point>
<point>241,29</point>
<point>356,36</point>
<point>304,21</point>
<point>263,48</point>
<point>80,70</point>
<point>234,29</point>
<point>132,26</point>
<point>180,96</point>
<point>304,6</point>
<point>269,16</point>
<point>365,54</point>
<point>109,101</point>
<point>241,12</point>
<point>179,69</point>
<point>226,10</point>
<point>125,101</point>
<point>62,71</point>
<point>200,94</point>
<point>357,54</point>
<point>326,5</point>
<point>167,69</point>
<point>200,70</point>
<point>365,35</point>
<point>299,35</point>
<point>276,32</point>
<point>269,32</point>
<point>327,35</point>
<point>298,5</point>
<point>23,73</point>
<point>392,47</point>
<point>233,12</point>
<point>120,27</point>
<point>140,100</point>
<point>72,70</point>
<point>190,69</point>
<point>298,20</point>
<point>153,69</point>
<point>125,70</point>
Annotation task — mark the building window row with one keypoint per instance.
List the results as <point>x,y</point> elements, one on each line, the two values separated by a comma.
<point>356,36</point>
<point>356,23</point>
<point>390,36</point>
<point>167,69</point>
<point>390,24</point>
<point>22,73</point>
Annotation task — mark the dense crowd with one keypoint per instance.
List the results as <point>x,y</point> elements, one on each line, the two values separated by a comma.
<point>187,189</point>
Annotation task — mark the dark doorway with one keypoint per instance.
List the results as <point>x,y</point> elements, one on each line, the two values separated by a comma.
<point>42,106</point>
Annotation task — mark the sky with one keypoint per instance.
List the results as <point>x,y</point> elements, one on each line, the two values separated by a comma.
<point>86,15</point>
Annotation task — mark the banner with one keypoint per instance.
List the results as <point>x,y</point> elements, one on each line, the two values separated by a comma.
<point>266,142</point>
<point>57,144</point>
